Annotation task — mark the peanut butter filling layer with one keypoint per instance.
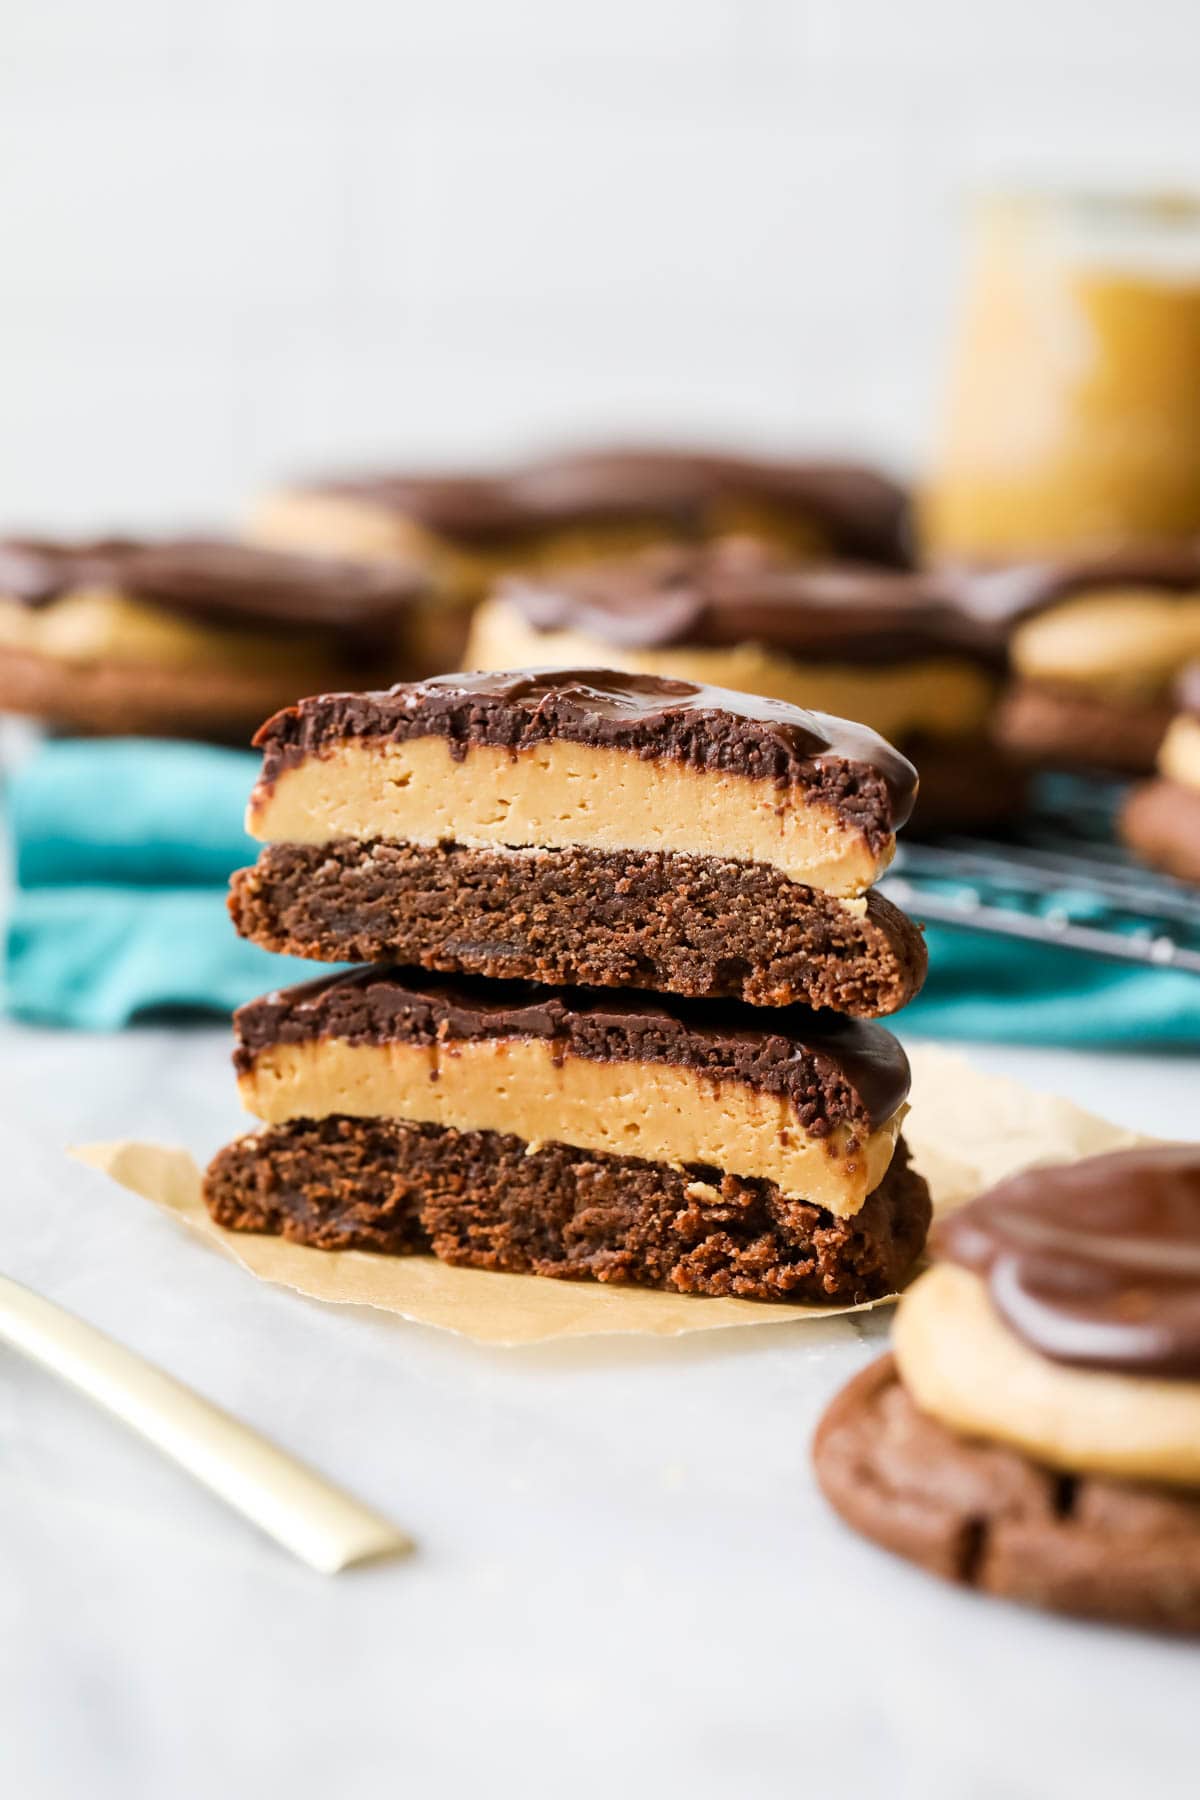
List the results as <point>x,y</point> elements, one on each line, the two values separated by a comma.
<point>94,625</point>
<point>654,1111</point>
<point>962,1365</point>
<point>337,524</point>
<point>941,696</point>
<point>554,795</point>
<point>1179,757</point>
<point>1129,644</point>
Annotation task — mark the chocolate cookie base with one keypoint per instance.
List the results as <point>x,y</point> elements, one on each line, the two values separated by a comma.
<point>966,783</point>
<point>993,1519</point>
<point>489,1201</point>
<point>1160,822</point>
<point>695,926</point>
<point>1072,728</point>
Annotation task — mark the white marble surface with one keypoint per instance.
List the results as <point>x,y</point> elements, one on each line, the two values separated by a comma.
<point>625,1581</point>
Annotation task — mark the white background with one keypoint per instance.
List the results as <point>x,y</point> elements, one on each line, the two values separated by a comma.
<point>246,237</point>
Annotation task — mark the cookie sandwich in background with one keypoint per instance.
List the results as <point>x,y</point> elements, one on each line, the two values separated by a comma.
<point>1035,1432</point>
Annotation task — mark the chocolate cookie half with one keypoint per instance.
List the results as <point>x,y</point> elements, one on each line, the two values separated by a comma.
<point>579,826</point>
<point>1042,722</point>
<point>676,1145</point>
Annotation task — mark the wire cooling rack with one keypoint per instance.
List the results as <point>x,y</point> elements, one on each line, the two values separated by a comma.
<point>1056,875</point>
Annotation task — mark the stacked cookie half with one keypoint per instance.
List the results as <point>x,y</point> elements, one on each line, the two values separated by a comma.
<point>622,967</point>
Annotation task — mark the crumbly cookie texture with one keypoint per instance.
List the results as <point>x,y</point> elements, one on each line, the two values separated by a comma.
<point>997,1520</point>
<point>697,926</point>
<point>492,1201</point>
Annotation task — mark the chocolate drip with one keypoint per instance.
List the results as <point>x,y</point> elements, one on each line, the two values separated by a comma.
<point>1094,1263</point>
<point>208,578</point>
<point>857,510</point>
<point>831,1069</point>
<point>646,715</point>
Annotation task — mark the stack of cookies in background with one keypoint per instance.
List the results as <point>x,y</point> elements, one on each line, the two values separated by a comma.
<point>463,530</point>
<point>190,637</point>
<point>623,968</point>
<point>457,534</point>
<point>802,580</point>
<point>364,581</point>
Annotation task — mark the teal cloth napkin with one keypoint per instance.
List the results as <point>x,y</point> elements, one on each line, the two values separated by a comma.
<point>122,849</point>
<point>129,813</point>
<point>1001,991</point>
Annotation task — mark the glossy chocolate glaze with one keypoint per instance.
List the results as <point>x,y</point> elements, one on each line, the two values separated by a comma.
<point>739,591</point>
<point>646,715</point>
<point>1002,595</point>
<point>214,579</point>
<point>1094,1263</point>
<point>37,570</point>
<point>860,512</point>
<point>832,1069</point>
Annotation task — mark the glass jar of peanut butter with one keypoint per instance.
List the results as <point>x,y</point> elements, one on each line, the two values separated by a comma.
<point>1072,419</point>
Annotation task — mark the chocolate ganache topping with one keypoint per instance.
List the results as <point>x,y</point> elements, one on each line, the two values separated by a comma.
<point>647,715</point>
<point>1003,595</point>
<point>38,570</point>
<point>829,1067</point>
<point>859,511</point>
<point>738,591</point>
<point>213,579</point>
<point>1094,1263</point>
